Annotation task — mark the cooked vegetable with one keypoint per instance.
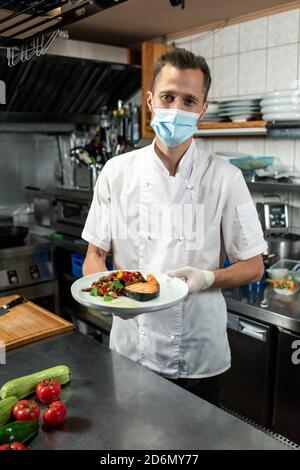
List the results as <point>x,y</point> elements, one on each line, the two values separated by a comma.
<point>144,290</point>
<point>55,414</point>
<point>13,446</point>
<point>289,284</point>
<point>6,407</point>
<point>114,284</point>
<point>129,283</point>
<point>23,386</point>
<point>20,431</point>
<point>48,391</point>
<point>26,410</point>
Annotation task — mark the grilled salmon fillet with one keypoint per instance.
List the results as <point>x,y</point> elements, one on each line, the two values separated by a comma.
<point>144,290</point>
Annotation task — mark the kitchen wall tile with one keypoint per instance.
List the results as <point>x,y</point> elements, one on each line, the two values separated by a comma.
<point>282,148</point>
<point>251,146</point>
<point>282,67</point>
<point>226,76</point>
<point>226,144</point>
<point>226,40</point>
<point>203,44</point>
<point>253,34</point>
<point>184,42</point>
<point>252,72</point>
<point>283,28</point>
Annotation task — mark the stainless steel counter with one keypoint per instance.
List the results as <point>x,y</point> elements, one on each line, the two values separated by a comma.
<point>114,403</point>
<point>266,305</point>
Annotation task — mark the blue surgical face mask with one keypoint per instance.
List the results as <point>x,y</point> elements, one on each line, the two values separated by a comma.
<point>174,126</point>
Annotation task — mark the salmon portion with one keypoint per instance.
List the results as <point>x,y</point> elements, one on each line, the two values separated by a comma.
<point>144,290</point>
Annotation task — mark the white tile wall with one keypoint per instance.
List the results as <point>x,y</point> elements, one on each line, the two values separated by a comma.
<point>283,28</point>
<point>226,76</point>
<point>282,67</point>
<point>253,35</point>
<point>226,41</point>
<point>247,60</point>
<point>252,72</point>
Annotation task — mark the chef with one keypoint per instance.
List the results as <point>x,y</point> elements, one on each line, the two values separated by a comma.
<point>171,207</point>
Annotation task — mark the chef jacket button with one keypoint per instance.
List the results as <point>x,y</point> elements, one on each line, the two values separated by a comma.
<point>143,333</point>
<point>189,186</point>
<point>180,239</point>
<point>173,339</point>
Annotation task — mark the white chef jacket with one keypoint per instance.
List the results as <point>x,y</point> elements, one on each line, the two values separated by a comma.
<point>190,339</point>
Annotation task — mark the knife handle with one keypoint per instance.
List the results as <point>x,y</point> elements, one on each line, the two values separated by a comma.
<point>17,301</point>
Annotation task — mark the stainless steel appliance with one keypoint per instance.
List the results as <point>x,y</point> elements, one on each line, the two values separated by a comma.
<point>69,210</point>
<point>28,269</point>
<point>286,415</point>
<point>248,384</point>
<point>274,217</point>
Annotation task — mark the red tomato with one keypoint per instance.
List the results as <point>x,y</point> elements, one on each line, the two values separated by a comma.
<point>55,414</point>
<point>48,391</point>
<point>26,410</point>
<point>13,446</point>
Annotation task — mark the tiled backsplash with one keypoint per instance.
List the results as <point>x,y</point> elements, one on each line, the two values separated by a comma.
<point>247,60</point>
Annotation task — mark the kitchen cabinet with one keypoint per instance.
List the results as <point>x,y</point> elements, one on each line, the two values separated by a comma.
<point>249,383</point>
<point>151,51</point>
<point>286,416</point>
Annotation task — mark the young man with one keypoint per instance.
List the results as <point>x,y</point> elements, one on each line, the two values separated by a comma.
<point>170,207</point>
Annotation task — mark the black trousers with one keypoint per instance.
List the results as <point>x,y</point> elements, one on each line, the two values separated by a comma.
<point>210,388</point>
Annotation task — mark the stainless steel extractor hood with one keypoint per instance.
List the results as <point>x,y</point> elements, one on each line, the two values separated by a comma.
<point>22,20</point>
<point>69,84</point>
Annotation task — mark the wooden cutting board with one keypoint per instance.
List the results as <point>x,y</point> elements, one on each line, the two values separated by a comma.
<point>29,322</point>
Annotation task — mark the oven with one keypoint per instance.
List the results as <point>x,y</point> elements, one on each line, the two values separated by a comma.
<point>29,269</point>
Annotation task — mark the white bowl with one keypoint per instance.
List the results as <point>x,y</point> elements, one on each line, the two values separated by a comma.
<point>278,273</point>
<point>281,116</point>
<point>290,92</point>
<point>281,101</point>
<point>273,109</point>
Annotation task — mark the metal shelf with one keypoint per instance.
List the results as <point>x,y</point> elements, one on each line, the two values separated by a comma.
<point>273,186</point>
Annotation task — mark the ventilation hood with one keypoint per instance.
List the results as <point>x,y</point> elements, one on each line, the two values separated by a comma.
<point>69,84</point>
<point>22,20</point>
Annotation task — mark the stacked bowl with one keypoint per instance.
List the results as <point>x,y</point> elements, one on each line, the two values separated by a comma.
<point>240,110</point>
<point>282,105</point>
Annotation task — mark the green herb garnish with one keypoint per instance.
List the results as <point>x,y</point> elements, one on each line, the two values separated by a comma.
<point>107,298</point>
<point>118,285</point>
<point>94,292</point>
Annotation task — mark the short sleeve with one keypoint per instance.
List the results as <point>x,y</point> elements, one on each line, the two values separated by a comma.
<point>97,229</point>
<point>241,229</point>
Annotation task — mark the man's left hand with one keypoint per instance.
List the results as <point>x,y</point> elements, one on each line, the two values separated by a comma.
<point>196,279</point>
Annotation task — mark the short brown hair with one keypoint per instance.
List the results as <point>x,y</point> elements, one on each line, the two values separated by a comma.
<point>183,59</point>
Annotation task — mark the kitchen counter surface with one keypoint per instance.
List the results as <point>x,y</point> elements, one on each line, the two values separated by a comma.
<point>265,305</point>
<point>114,403</point>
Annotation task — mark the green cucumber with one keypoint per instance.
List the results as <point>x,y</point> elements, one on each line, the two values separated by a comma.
<point>23,386</point>
<point>19,431</point>
<point>6,407</point>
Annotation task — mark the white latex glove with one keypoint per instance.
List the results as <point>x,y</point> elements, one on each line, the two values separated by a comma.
<point>196,279</point>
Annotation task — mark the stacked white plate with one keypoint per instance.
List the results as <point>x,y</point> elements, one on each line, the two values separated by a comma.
<point>212,114</point>
<point>240,110</point>
<point>281,105</point>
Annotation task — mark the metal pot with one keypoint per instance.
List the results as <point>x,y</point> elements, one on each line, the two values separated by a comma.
<point>287,245</point>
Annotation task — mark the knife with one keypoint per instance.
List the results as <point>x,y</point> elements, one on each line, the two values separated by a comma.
<point>5,308</point>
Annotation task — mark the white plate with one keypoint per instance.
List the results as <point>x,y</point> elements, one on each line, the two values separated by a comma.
<point>282,117</point>
<point>281,101</point>
<point>172,291</point>
<point>282,93</point>
<point>284,108</point>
